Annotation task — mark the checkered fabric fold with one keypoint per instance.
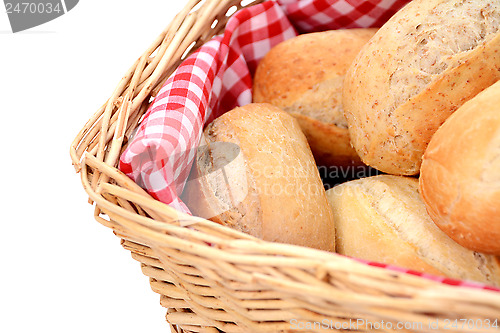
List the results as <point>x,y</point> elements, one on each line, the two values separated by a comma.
<point>218,77</point>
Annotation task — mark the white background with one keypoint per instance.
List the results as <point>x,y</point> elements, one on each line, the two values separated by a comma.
<point>62,271</point>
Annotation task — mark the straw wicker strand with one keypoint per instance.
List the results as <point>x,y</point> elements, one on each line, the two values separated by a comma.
<point>303,290</point>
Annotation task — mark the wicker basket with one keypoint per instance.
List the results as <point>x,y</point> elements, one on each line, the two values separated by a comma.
<point>239,283</point>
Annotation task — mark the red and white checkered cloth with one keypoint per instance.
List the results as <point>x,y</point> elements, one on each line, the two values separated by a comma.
<point>218,77</point>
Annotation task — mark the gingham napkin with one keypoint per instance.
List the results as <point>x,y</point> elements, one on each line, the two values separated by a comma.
<point>218,77</point>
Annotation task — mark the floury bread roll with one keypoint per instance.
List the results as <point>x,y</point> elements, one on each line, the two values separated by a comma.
<point>424,63</point>
<point>256,173</point>
<point>460,176</point>
<point>383,219</point>
<point>304,77</point>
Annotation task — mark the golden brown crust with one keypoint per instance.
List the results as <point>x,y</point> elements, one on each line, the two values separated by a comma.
<point>330,144</point>
<point>304,76</point>
<point>383,219</point>
<point>460,176</point>
<point>210,194</point>
<point>404,85</point>
<point>283,182</point>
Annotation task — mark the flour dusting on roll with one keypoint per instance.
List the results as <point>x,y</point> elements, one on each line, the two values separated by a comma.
<point>383,219</point>
<point>424,63</point>
<point>304,76</point>
<point>269,186</point>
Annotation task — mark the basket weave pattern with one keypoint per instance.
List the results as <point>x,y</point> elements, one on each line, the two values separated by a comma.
<point>212,278</point>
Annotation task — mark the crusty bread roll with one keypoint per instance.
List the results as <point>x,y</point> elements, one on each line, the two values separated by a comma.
<point>424,63</point>
<point>383,219</point>
<point>257,174</point>
<point>460,176</point>
<point>304,76</point>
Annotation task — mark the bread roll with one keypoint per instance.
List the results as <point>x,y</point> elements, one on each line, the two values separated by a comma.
<point>258,175</point>
<point>460,178</point>
<point>304,76</point>
<point>424,63</point>
<point>383,219</point>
